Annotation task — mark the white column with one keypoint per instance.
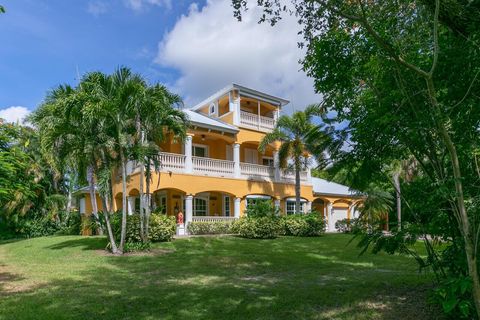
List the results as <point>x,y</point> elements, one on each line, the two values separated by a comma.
<point>236,159</point>
<point>131,205</point>
<point>188,209</point>
<point>188,154</point>
<point>331,225</point>
<point>352,212</point>
<point>276,203</point>
<point>308,207</point>
<point>236,208</point>
<point>276,165</point>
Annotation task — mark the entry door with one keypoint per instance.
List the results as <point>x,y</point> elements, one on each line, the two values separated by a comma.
<point>251,156</point>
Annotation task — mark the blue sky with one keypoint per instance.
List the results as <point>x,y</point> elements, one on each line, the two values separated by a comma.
<point>194,47</point>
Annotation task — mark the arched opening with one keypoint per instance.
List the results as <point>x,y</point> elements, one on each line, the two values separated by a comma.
<point>118,201</point>
<point>213,204</point>
<point>320,205</point>
<point>168,201</point>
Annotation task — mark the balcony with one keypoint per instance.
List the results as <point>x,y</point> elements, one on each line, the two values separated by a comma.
<point>201,166</point>
<point>256,122</point>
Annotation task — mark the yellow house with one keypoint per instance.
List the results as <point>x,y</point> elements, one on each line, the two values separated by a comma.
<point>217,171</point>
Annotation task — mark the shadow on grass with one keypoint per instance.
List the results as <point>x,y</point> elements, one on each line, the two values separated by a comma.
<point>229,278</point>
<point>85,243</point>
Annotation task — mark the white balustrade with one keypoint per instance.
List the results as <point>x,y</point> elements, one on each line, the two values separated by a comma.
<point>172,161</point>
<point>213,167</point>
<point>252,120</point>
<point>256,170</point>
<point>212,219</point>
<point>289,176</point>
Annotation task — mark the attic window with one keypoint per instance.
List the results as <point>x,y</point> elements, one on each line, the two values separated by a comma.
<point>211,110</point>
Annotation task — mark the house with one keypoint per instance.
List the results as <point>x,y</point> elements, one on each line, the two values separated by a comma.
<point>217,171</point>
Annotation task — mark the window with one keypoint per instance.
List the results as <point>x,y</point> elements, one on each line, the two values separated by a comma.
<point>199,150</point>
<point>162,202</point>
<point>267,161</point>
<point>251,156</point>
<point>290,206</point>
<point>226,206</point>
<point>212,109</point>
<point>200,207</point>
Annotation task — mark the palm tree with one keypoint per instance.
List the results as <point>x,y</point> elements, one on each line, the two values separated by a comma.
<point>299,137</point>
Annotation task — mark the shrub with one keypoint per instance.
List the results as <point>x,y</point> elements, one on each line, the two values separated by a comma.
<point>210,227</point>
<point>37,227</point>
<point>303,225</point>
<point>257,227</point>
<point>455,296</point>
<point>344,225</point>
<point>262,208</point>
<point>162,227</point>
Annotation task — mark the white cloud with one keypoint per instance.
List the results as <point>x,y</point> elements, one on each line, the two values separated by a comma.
<point>97,8</point>
<point>14,114</point>
<point>211,49</point>
<point>139,5</point>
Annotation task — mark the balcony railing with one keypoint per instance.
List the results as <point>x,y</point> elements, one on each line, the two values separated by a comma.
<point>256,171</point>
<point>212,218</point>
<point>213,167</point>
<point>254,121</point>
<point>173,162</point>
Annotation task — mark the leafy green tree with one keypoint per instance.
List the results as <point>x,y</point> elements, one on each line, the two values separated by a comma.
<point>405,77</point>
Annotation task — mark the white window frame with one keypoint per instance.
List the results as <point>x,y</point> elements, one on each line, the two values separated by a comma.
<point>269,158</point>
<point>195,206</point>
<point>198,145</point>
<point>226,209</point>
<point>215,108</point>
<point>303,203</point>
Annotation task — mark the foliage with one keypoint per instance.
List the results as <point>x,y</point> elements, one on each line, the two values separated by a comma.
<point>344,225</point>
<point>210,227</point>
<point>162,227</point>
<point>261,208</point>
<point>455,297</point>
<point>404,76</point>
<point>303,225</point>
<point>266,227</point>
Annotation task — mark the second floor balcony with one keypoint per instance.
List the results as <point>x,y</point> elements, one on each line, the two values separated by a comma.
<point>256,122</point>
<point>203,166</point>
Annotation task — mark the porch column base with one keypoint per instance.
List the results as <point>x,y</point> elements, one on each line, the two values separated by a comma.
<point>181,231</point>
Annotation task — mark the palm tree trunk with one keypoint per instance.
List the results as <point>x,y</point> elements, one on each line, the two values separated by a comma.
<point>396,183</point>
<point>93,196</point>
<point>142,202</point>
<point>297,186</point>
<point>124,203</point>
<point>111,238</point>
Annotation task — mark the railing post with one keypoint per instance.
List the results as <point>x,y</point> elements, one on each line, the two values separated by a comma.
<point>236,159</point>
<point>188,210</point>
<point>236,208</point>
<point>276,166</point>
<point>188,154</point>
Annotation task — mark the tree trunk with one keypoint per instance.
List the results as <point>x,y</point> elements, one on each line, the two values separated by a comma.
<point>124,203</point>
<point>93,196</point>
<point>396,183</point>
<point>142,202</point>
<point>111,238</point>
<point>297,186</point>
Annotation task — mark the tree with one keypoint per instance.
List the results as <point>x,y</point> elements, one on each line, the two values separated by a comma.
<point>299,137</point>
<point>405,76</point>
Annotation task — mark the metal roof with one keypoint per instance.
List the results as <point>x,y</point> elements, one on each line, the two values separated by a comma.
<point>202,120</point>
<point>322,186</point>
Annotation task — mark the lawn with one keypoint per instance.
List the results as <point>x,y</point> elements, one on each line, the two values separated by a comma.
<point>70,277</point>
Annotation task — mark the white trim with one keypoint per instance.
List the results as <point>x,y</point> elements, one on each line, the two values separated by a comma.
<point>229,205</point>
<point>207,198</point>
<point>258,196</point>
<point>295,199</point>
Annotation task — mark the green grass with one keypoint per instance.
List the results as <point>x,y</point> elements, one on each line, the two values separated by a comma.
<point>208,278</point>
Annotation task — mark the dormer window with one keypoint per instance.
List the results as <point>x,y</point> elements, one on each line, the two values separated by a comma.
<point>212,109</point>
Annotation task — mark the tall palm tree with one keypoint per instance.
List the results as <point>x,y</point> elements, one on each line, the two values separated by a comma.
<point>299,137</point>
